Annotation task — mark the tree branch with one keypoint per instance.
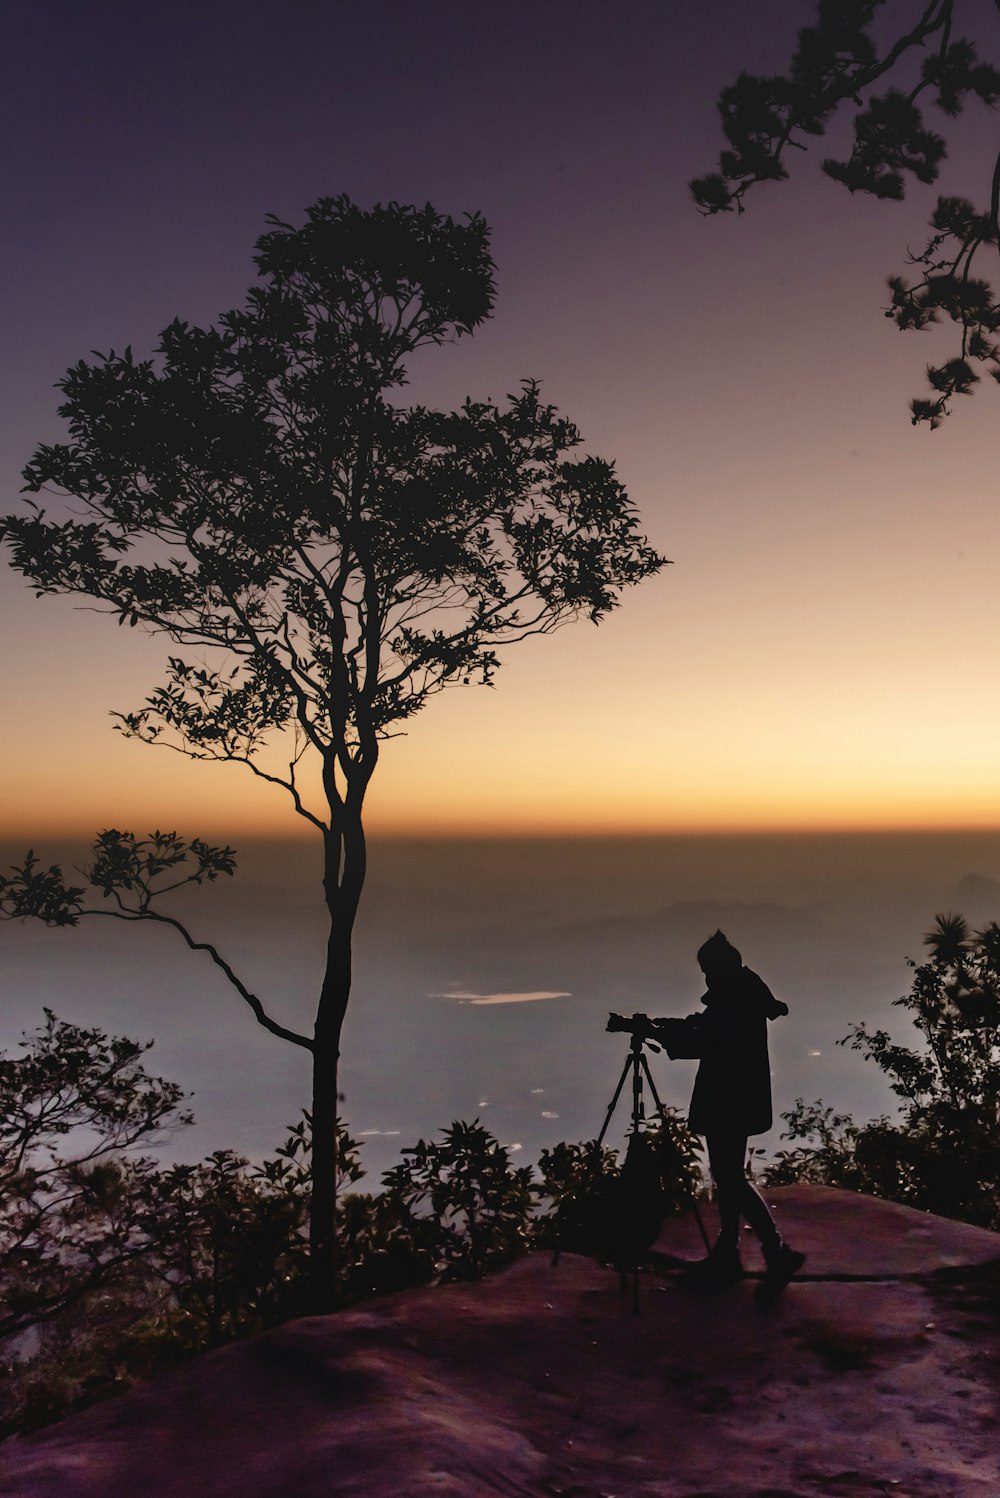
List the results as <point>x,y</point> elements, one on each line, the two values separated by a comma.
<point>263,1018</point>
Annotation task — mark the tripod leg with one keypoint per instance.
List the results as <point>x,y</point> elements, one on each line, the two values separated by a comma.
<point>701,1226</point>
<point>692,1202</point>
<point>614,1101</point>
<point>652,1085</point>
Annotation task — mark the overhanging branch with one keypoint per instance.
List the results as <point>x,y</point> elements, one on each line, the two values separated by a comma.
<point>261,1015</point>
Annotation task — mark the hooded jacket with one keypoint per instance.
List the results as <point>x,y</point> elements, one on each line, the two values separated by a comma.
<point>732,1088</point>
<point>732,1091</point>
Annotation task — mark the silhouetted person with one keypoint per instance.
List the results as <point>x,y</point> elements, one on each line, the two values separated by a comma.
<point>731,1101</point>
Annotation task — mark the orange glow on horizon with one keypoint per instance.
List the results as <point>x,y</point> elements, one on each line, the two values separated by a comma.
<point>227,813</point>
<point>821,655</point>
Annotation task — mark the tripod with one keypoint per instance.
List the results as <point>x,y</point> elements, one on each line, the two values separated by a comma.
<point>670,1162</point>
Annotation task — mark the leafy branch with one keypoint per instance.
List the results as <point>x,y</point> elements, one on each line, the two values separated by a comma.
<point>134,874</point>
<point>836,61</point>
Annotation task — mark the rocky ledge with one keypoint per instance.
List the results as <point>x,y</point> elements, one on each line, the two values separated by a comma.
<point>876,1373</point>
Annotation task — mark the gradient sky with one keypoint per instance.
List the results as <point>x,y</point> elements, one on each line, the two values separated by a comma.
<point>821,654</point>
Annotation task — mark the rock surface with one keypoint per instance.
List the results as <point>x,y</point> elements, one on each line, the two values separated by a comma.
<point>876,1373</point>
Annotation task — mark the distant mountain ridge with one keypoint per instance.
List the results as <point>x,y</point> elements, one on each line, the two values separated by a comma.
<point>977,897</point>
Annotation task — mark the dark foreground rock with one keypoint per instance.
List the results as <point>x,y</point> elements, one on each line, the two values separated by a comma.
<point>877,1373</point>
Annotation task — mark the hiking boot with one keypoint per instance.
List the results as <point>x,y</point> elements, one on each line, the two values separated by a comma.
<point>781,1266</point>
<point>721,1267</point>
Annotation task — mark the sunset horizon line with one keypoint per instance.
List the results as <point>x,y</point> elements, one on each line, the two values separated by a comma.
<point>490,833</point>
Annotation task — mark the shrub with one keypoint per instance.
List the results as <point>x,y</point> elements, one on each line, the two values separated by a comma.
<point>943,1152</point>
<point>114,1266</point>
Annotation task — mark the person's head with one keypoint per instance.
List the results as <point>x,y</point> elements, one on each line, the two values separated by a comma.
<point>718,958</point>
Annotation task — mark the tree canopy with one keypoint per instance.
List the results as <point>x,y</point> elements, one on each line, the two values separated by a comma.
<point>840,60</point>
<point>255,487</point>
<point>327,557</point>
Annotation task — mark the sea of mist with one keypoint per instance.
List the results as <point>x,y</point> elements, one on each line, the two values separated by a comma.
<point>605,923</point>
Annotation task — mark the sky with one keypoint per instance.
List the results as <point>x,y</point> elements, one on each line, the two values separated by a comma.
<point>822,652</point>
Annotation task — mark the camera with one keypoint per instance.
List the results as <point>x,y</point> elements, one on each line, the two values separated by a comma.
<point>631,1024</point>
<point>682,1039</point>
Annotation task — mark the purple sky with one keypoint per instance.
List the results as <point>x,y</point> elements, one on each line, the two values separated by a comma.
<point>822,651</point>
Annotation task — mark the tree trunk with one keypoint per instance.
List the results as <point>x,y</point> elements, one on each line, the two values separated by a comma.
<point>343,881</point>
<point>322,1215</point>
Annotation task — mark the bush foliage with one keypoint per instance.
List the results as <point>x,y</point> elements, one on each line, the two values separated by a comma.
<point>942,1153</point>
<point>113,1264</point>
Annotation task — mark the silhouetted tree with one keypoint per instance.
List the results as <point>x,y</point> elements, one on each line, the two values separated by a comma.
<point>255,493</point>
<point>943,1154</point>
<point>110,1263</point>
<point>837,60</point>
<point>76,1212</point>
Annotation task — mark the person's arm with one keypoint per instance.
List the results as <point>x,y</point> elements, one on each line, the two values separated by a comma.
<point>682,1039</point>
<point>772,1008</point>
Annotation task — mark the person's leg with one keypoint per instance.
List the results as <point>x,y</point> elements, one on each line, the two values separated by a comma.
<point>737,1196</point>
<point>755,1209</point>
<point>726,1158</point>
